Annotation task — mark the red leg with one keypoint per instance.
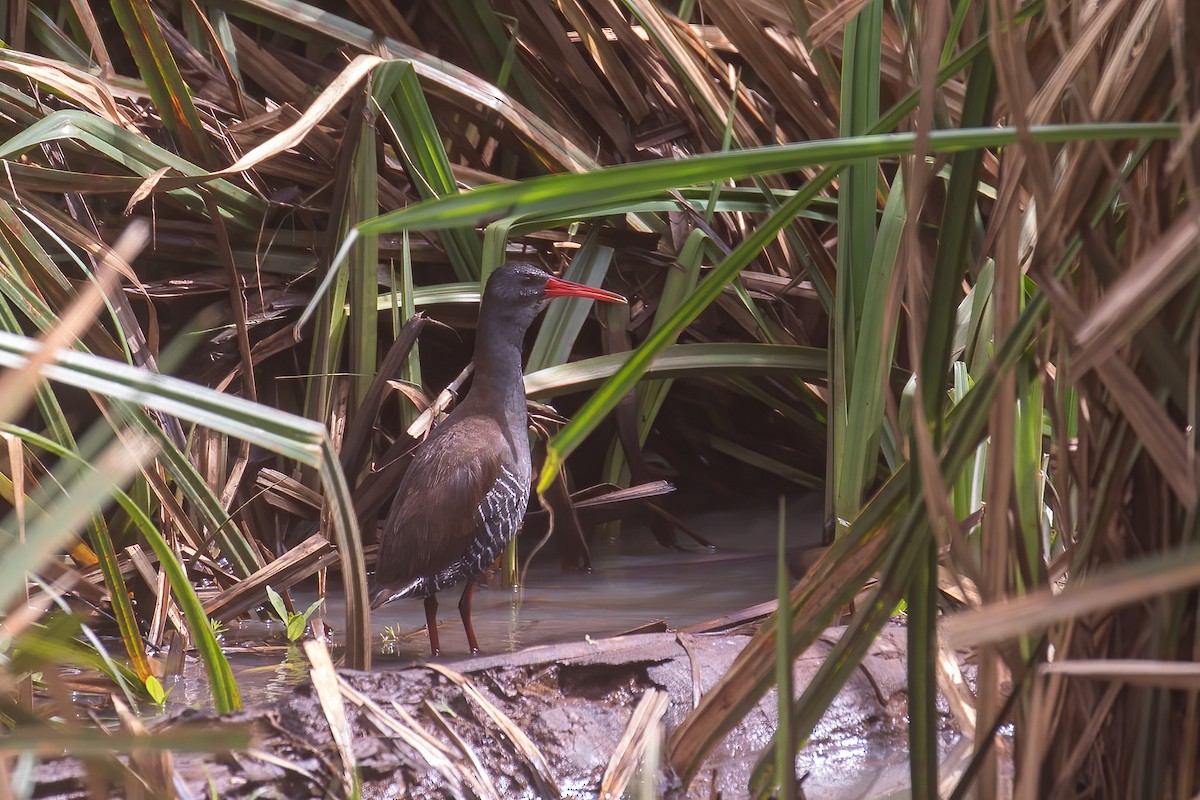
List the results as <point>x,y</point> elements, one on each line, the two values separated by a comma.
<point>431,624</point>
<point>464,610</point>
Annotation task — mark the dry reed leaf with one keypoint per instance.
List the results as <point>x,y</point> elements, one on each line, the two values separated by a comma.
<point>298,564</point>
<point>685,60</point>
<point>1149,283</point>
<point>955,689</point>
<point>644,723</point>
<point>164,607</point>
<point>485,787</point>
<point>280,83</point>
<point>833,22</point>
<point>16,471</point>
<point>91,31</point>
<point>413,394</point>
<point>1100,716</point>
<point>287,493</point>
<point>283,764</point>
<point>326,102</point>
<point>383,16</point>
<point>446,398</point>
<point>539,768</point>
<point>1142,47</point>
<point>589,103</point>
<point>1176,675</point>
<point>433,752</point>
<point>151,773</point>
<point>1037,610</point>
<point>417,730</point>
<point>1121,92</point>
<point>325,682</point>
<point>1069,64</point>
<point>85,89</point>
<point>456,81</point>
<point>1157,432</point>
<point>791,96</point>
<point>17,385</point>
<point>145,190</point>
<point>608,60</point>
<point>755,613</point>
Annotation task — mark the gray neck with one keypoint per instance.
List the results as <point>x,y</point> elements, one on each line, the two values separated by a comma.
<point>498,383</point>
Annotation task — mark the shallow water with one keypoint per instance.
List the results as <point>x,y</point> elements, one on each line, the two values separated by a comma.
<point>634,582</point>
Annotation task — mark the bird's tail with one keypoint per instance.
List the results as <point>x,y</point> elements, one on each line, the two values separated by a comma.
<point>389,592</point>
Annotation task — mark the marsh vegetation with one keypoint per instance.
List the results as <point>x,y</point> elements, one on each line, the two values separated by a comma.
<point>935,262</point>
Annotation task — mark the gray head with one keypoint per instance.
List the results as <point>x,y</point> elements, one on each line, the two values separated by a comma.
<point>517,292</point>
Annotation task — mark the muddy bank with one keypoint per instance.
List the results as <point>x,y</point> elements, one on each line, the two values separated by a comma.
<point>407,729</point>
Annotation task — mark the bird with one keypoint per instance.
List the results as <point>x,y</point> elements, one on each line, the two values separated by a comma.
<point>465,492</point>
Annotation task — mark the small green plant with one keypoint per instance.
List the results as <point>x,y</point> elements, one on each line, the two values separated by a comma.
<point>390,638</point>
<point>155,689</point>
<point>295,621</point>
<point>217,626</point>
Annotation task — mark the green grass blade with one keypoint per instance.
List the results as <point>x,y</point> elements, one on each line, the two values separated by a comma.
<point>631,182</point>
<point>953,244</point>
<point>350,548</point>
<point>399,95</point>
<point>65,514</point>
<point>141,157</point>
<point>855,249</point>
<point>363,321</point>
<point>158,69</point>
<point>653,393</point>
<point>785,743</point>
<point>606,398</point>
<point>856,189</point>
<point>861,419</point>
<point>411,372</point>
<point>713,359</point>
<point>221,681</point>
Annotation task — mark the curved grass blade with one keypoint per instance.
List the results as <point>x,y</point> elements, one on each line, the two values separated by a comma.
<point>140,156</point>
<point>856,256</point>
<point>682,361</point>
<point>445,293</point>
<point>308,22</point>
<point>224,688</point>
<point>633,182</point>
<point>158,69</point>
<point>862,417</point>
<point>396,88</point>
<point>606,398</point>
<point>66,514</point>
<point>295,437</point>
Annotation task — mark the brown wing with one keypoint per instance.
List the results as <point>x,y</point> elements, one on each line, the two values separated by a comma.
<point>434,519</point>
